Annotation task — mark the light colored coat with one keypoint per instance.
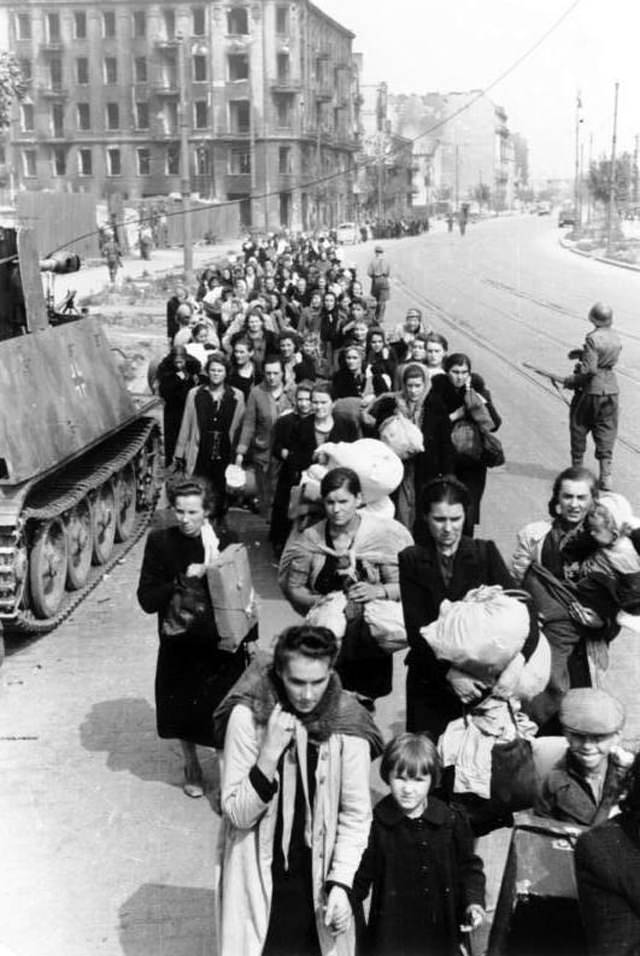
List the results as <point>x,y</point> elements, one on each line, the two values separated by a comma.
<point>529,542</point>
<point>340,821</point>
<point>189,437</point>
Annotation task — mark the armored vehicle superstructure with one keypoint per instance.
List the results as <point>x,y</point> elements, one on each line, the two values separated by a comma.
<point>80,457</point>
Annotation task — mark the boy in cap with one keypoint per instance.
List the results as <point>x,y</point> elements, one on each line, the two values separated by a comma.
<point>594,406</point>
<point>587,783</point>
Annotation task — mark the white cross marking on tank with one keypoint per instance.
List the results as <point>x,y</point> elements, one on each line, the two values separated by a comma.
<point>79,382</point>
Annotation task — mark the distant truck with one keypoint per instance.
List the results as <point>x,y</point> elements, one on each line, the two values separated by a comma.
<point>543,208</point>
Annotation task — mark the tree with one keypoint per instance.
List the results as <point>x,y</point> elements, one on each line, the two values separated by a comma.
<point>12,86</point>
<point>599,179</point>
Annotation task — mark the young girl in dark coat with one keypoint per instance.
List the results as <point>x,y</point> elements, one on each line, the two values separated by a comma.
<point>427,883</point>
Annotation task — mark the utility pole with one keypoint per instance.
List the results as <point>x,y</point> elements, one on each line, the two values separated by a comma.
<point>589,205</point>
<point>635,170</point>
<point>612,171</point>
<point>185,172</point>
<point>457,171</point>
<point>576,196</point>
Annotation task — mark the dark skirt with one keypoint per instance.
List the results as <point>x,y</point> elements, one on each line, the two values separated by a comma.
<point>362,667</point>
<point>192,677</point>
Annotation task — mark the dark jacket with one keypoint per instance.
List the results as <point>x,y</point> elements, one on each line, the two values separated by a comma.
<point>424,875</point>
<point>607,860</point>
<point>444,398</point>
<point>567,796</point>
<point>431,702</point>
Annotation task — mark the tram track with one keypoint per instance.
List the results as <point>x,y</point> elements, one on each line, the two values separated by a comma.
<point>450,320</point>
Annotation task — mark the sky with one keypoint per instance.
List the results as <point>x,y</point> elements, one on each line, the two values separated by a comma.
<point>420,46</point>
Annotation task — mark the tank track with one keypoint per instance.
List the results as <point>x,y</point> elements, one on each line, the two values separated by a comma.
<point>65,490</point>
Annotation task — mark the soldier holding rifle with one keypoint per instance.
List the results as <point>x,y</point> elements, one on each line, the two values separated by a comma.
<point>594,406</point>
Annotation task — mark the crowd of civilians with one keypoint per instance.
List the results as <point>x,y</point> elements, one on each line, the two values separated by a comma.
<point>276,354</point>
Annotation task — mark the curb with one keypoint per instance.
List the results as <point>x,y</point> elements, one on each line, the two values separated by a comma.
<point>609,262</point>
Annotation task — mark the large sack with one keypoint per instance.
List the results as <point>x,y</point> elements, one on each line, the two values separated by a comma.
<point>480,634</point>
<point>379,469</point>
<point>402,436</point>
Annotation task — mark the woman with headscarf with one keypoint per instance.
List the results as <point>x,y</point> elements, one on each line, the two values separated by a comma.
<point>295,802</point>
<point>176,375</point>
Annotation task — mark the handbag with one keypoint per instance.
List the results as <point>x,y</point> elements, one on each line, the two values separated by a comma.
<point>189,609</point>
<point>492,450</point>
<point>466,439</point>
<point>514,780</point>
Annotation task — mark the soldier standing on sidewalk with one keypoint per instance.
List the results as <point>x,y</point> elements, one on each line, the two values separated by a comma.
<point>379,272</point>
<point>594,407</point>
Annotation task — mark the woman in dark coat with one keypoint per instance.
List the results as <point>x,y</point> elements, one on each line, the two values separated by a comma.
<point>192,674</point>
<point>446,566</point>
<point>317,429</point>
<point>350,381</point>
<point>177,374</point>
<point>607,861</point>
<point>450,400</point>
<point>210,426</point>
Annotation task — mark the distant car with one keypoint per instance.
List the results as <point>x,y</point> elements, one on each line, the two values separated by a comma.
<point>567,217</point>
<point>543,209</point>
<point>348,232</point>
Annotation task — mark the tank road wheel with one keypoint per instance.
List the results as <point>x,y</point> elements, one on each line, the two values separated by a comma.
<point>79,529</point>
<point>125,490</point>
<point>103,515</point>
<point>48,567</point>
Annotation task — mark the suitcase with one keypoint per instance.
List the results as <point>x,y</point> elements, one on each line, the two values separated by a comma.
<point>232,596</point>
<point>537,913</point>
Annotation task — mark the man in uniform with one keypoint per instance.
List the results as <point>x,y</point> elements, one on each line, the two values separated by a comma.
<point>594,407</point>
<point>379,272</point>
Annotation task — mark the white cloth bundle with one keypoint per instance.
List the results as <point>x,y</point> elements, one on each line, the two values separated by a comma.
<point>402,436</point>
<point>329,612</point>
<point>386,623</point>
<point>480,634</point>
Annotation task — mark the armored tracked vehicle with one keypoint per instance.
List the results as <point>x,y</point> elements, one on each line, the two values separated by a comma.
<point>80,457</point>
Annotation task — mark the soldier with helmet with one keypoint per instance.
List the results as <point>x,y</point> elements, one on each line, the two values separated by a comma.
<point>594,407</point>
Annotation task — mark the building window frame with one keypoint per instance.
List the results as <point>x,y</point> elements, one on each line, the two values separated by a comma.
<point>198,21</point>
<point>24,26</point>
<point>110,69</point>
<point>199,68</point>
<point>83,116</point>
<point>82,71</point>
<point>112,116</point>
<point>172,160</point>
<point>239,162</point>
<point>140,67</point>
<point>59,161</point>
<point>29,163</point>
<point>142,114</point>
<point>282,20</point>
<point>27,118</point>
<point>143,161</point>
<point>114,161</point>
<point>139,24</point>
<point>108,23</point>
<point>200,114</point>
<point>85,161</point>
<point>80,24</point>
<point>52,25</point>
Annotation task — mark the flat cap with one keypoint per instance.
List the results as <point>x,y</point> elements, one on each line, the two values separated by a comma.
<point>378,249</point>
<point>587,710</point>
